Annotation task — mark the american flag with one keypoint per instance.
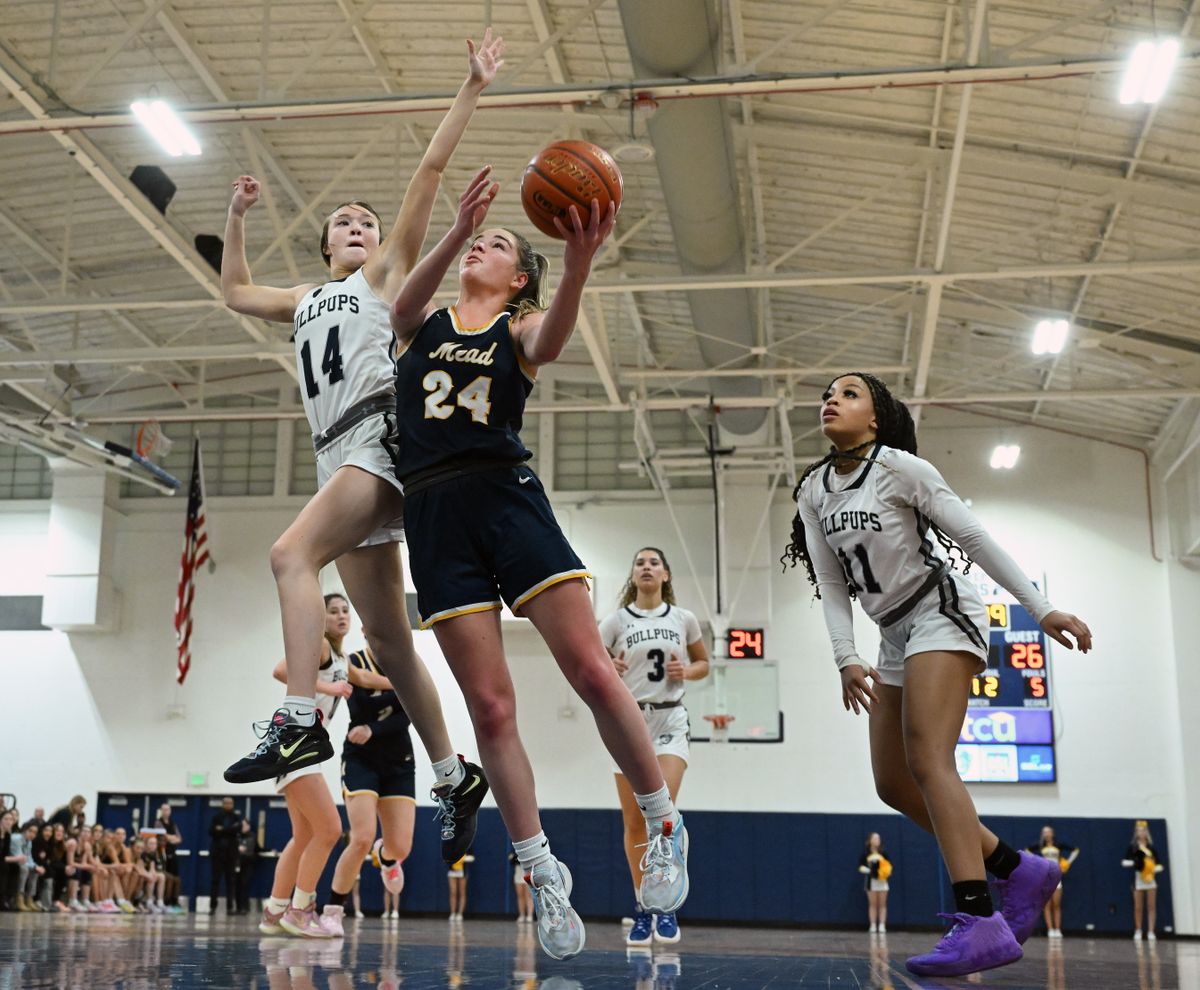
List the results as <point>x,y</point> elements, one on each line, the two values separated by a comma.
<point>195,556</point>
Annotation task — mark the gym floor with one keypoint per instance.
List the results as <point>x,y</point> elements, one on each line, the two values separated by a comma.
<point>141,953</point>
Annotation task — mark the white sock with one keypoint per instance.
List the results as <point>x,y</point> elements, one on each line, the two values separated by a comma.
<point>532,851</point>
<point>449,771</point>
<point>302,900</point>
<point>301,710</point>
<point>657,807</point>
<point>277,905</point>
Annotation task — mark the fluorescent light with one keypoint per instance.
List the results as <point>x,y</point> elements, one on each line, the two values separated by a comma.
<point>166,128</point>
<point>1149,70</point>
<point>1005,456</point>
<point>1050,336</point>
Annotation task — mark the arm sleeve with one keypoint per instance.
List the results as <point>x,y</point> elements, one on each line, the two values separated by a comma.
<point>831,583</point>
<point>610,631</point>
<point>920,485</point>
<point>691,628</point>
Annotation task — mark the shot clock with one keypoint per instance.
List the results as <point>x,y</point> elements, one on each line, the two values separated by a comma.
<point>1008,734</point>
<point>744,644</point>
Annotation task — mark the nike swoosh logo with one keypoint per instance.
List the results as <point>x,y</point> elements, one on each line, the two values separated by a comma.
<point>521,481</point>
<point>287,751</point>
<point>474,783</point>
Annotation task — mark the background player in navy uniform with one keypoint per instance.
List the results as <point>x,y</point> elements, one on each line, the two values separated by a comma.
<point>655,645</point>
<point>1048,847</point>
<point>345,364</point>
<point>378,781</point>
<point>481,527</point>
<point>868,514</point>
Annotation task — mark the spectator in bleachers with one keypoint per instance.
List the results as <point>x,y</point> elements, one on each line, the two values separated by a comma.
<point>38,819</point>
<point>41,859</point>
<point>28,872</point>
<point>156,877</point>
<point>79,871</point>
<point>10,868</point>
<point>225,827</point>
<point>56,866</point>
<point>70,815</point>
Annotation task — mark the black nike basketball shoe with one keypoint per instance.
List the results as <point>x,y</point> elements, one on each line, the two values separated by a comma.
<point>459,811</point>
<point>285,747</point>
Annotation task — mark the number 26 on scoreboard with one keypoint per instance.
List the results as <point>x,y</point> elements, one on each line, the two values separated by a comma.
<point>1026,656</point>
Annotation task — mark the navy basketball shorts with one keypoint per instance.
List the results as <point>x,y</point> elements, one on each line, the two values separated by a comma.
<point>383,778</point>
<point>479,538</point>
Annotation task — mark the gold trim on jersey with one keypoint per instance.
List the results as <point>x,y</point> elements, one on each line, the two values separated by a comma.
<point>451,613</point>
<point>554,579</point>
<point>528,369</point>
<point>460,329</point>
<point>350,794</point>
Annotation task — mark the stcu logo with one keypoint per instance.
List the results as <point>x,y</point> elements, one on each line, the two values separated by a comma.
<point>1000,727</point>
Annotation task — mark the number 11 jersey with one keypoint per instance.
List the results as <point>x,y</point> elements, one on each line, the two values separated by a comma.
<point>460,394</point>
<point>343,341</point>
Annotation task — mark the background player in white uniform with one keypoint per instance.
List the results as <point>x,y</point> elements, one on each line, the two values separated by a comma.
<point>655,646</point>
<point>346,372</point>
<point>316,825</point>
<point>874,522</point>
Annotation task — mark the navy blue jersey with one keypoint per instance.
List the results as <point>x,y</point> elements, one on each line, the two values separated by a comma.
<point>460,394</point>
<point>381,711</point>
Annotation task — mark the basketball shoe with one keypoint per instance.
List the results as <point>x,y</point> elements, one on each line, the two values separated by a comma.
<point>972,944</point>
<point>458,808</point>
<point>1025,893</point>
<point>560,931</point>
<point>285,746</point>
<point>664,885</point>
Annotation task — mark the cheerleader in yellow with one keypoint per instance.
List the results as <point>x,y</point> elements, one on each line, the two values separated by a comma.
<point>876,868</point>
<point>1140,857</point>
<point>1063,855</point>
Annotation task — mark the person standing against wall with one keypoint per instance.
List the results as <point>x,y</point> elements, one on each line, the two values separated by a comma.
<point>1050,848</point>
<point>1143,860</point>
<point>224,830</point>
<point>876,868</point>
<point>247,859</point>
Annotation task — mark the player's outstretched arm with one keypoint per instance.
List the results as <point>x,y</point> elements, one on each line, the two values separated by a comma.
<point>386,270</point>
<point>542,336</point>
<point>412,303</point>
<point>237,287</point>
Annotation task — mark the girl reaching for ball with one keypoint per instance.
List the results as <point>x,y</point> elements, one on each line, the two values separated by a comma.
<point>876,522</point>
<point>481,529</point>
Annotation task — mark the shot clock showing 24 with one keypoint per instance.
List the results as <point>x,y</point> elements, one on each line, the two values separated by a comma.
<point>1008,734</point>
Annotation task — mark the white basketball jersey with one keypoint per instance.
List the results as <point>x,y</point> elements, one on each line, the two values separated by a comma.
<point>343,338</point>
<point>648,639</point>
<point>869,520</point>
<point>338,670</point>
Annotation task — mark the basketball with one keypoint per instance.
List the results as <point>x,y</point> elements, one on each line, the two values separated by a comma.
<point>565,173</point>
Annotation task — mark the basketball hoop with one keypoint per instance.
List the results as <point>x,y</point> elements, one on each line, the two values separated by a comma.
<point>151,440</point>
<point>720,724</point>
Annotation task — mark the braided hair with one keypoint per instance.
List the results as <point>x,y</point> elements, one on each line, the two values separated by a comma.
<point>894,428</point>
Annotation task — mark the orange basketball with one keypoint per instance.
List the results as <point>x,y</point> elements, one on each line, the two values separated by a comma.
<point>566,173</point>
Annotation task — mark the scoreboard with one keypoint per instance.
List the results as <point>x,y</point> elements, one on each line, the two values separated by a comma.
<point>1008,734</point>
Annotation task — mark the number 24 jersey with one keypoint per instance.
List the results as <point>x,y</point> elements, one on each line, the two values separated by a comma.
<point>648,639</point>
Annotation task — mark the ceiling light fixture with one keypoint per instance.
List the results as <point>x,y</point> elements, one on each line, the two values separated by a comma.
<point>1149,71</point>
<point>166,128</point>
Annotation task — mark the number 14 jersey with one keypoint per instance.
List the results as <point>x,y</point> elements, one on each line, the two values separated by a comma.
<point>460,394</point>
<point>343,341</point>
<point>648,639</point>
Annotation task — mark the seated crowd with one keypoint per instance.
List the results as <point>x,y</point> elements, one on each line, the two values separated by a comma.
<point>63,864</point>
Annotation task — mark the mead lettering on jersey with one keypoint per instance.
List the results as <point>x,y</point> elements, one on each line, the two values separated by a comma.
<point>839,521</point>
<point>334,303</point>
<point>450,351</point>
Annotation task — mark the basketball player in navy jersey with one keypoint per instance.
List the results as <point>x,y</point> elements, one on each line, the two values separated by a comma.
<point>346,369</point>
<point>876,522</point>
<point>656,647</point>
<point>481,529</point>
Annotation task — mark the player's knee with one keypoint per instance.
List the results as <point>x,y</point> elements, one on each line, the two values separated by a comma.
<point>284,556</point>
<point>359,845</point>
<point>890,792</point>
<point>493,714</point>
<point>327,831</point>
<point>926,764</point>
<point>596,683</point>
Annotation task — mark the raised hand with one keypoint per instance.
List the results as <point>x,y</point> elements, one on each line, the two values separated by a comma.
<point>856,687</point>
<point>484,62</point>
<point>246,190</point>
<point>473,204</point>
<point>1056,623</point>
<point>583,242</point>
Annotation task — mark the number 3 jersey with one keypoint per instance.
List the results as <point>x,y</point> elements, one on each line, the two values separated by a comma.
<point>869,531</point>
<point>648,639</point>
<point>343,339</point>
<point>460,394</point>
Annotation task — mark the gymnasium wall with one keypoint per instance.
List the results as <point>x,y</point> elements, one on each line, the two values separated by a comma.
<point>90,712</point>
